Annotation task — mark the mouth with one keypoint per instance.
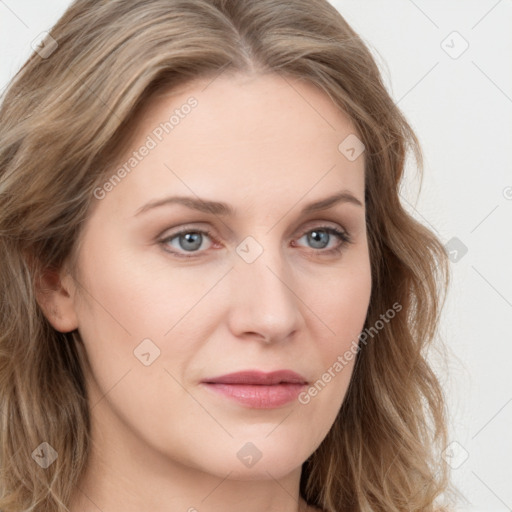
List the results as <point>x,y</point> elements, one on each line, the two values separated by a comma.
<point>257,377</point>
<point>258,390</point>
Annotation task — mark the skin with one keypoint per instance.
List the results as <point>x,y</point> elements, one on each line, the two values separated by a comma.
<point>161,441</point>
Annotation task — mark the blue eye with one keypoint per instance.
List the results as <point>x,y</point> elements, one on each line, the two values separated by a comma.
<point>321,236</point>
<point>190,241</point>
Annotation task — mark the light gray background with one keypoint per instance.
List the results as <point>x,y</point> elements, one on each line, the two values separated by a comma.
<point>461,109</point>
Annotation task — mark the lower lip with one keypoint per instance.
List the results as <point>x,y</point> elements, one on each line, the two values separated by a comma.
<point>258,396</point>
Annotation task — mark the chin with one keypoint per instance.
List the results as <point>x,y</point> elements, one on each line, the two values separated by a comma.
<point>269,462</point>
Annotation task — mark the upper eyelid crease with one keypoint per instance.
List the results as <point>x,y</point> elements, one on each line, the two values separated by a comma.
<point>312,225</point>
<point>219,208</point>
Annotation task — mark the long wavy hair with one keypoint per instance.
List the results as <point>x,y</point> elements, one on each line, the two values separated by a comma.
<point>63,122</point>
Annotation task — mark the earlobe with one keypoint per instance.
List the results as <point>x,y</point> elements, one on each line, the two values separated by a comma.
<point>54,294</point>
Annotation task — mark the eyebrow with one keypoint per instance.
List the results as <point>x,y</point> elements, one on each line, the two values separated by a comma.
<point>219,208</point>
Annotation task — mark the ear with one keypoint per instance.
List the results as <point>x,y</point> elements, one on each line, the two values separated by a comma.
<point>55,291</point>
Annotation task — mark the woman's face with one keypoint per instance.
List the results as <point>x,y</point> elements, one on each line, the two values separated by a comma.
<point>269,288</point>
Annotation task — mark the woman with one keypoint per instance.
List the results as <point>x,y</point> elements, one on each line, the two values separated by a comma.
<point>213,298</point>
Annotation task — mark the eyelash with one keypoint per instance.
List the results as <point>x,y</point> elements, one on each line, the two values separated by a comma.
<point>343,235</point>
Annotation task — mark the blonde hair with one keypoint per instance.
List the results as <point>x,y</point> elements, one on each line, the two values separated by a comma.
<point>63,122</point>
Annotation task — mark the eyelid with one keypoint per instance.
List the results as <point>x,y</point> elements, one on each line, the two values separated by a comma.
<point>343,234</point>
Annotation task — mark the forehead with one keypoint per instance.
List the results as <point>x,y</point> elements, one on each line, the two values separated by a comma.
<point>252,108</point>
<point>245,136</point>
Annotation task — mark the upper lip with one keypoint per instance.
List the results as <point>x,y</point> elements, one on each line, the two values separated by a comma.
<point>259,378</point>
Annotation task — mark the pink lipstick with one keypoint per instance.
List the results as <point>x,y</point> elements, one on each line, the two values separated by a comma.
<point>257,389</point>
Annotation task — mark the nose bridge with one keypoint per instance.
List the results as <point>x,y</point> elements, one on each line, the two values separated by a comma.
<point>262,298</point>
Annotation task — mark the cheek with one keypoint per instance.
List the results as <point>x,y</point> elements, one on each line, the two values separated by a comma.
<point>340,308</point>
<point>340,305</point>
<point>133,294</point>
<point>127,302</point>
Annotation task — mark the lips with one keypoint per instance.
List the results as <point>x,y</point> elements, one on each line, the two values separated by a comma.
<point>259,378</point>
<point>256,389</point>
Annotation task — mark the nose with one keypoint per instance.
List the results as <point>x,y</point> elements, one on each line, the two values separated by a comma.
<point>263,303</point>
